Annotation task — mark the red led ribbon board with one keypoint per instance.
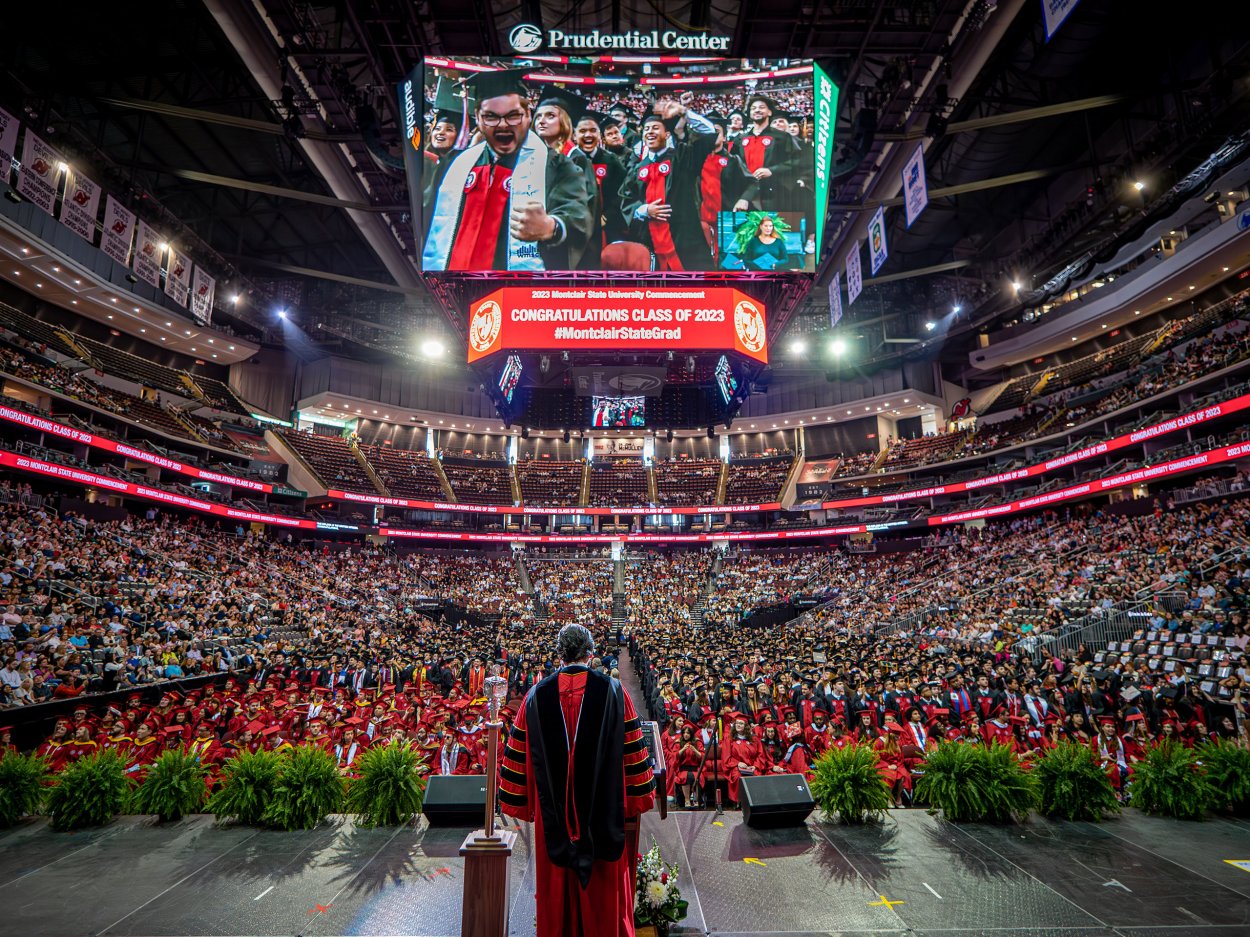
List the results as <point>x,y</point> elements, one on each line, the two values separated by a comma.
<point>604,318</point>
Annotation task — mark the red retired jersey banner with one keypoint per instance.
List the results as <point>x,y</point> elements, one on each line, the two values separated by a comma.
<point>693,318</point>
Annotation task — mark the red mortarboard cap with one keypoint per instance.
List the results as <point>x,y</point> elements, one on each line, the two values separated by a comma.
<point>254,727</point>
<point>173,732</point>
<point>270,730</point>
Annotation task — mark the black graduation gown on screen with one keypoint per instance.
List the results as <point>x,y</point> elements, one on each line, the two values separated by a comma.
<point>685,164</point>
<point>566,200</point>
<point>780,155</point>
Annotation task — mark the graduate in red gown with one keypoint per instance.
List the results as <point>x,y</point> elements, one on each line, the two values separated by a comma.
<point>577,742</point>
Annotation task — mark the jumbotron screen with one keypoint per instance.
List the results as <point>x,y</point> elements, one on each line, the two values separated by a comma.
<point>664,165</point>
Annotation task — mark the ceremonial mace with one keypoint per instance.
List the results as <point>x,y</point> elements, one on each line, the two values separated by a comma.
<point>486,851</point>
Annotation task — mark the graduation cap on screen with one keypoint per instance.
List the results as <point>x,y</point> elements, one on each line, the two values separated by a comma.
<point>483,86</point>
<point>603,120</point>
<point>572,104</point>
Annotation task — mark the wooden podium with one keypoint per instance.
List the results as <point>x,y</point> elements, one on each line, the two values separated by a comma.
<point>486,899</point>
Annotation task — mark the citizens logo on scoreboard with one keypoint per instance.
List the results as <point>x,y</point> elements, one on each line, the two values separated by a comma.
<point>485,327</point>
<point>749,324</point>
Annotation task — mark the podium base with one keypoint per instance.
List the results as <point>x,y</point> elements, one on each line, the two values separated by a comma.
<point>485,902</point>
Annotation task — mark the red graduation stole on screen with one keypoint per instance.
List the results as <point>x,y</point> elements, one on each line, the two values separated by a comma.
<point>710,191</point>
<point>655,175</point>
<point>487,189</point>
<point>755,148</point>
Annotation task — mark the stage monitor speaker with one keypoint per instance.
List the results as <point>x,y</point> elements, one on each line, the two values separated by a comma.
<point>456,800</point>
<point>770,801</point>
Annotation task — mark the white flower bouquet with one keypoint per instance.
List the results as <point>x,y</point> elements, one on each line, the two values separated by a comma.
<point>657,900</point>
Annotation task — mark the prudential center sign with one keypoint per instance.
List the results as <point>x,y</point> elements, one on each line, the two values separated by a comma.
<point>527,38</point>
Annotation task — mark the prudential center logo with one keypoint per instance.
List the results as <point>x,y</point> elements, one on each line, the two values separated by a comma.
<point>525,38</point>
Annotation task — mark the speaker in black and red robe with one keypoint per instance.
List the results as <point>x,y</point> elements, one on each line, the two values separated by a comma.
<point>576,766</point>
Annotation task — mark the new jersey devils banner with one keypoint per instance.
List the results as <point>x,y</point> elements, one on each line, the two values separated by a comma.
<point>618,318</point>
<point>8,143</point>
<point>148,255</point>
<point>37,180</point>
<point>178,277</point>
<point>202,288</point>
<point>119,228</point>
<point>80,205</point>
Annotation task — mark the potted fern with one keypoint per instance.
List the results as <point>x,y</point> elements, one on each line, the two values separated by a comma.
<point>1073,785</point>
<point>846,783</point>
<point>174,787</point>
<point>976,783</point>
<point>388,790</point>
<point>247,784</point>
<point>1170,781</point>
<point>23,779</point>
<point>307,790</point>
<point>89,792</point>
<point>1228,770</point>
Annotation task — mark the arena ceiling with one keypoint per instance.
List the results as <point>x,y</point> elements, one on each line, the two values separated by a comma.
<point>268,131</point>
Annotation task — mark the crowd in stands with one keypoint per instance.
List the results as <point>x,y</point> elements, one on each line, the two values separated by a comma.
<point>757,480</point>
<point>686,481</point>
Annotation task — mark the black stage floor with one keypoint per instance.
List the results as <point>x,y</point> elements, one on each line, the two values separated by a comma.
<point>1133,876</point>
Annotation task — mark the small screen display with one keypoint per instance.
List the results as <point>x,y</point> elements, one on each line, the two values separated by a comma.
<point>607,412</point>
<point>510,377</point>
<point>725,380</point>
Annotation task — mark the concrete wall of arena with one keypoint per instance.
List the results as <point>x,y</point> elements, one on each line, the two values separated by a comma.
<point>432,387</point>
<point>847,438</point>
<point>552,448</point>
<point>689,447</point>
<point>810,389</point>
<point>267,380</point>
<point>399,435</point>
<point>756,443</point>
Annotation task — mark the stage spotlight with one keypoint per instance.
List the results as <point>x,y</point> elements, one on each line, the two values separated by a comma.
<point>930,326</point>
<point>281,313</point>
<point>234,300</point>
<point>1139,185</point>
<point>798,347</point>
<point>432,348</point>
<point>956,309</point>
<point>837,348</point>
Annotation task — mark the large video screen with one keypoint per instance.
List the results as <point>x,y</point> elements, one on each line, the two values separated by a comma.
<point>608,412</point>
<point>662,165</point>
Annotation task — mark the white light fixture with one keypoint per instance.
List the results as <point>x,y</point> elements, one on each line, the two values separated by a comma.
<point>62,167</point>
<point>1015,285</point>
<point>930,326</point>
<point>432,348</point>
<point>234,299</point>
<point>1139,185</point>
<point>798,347</point>
<point>281,313</point>
<point>162,247</point>
<point>957,309</point>
<point>837,347</point>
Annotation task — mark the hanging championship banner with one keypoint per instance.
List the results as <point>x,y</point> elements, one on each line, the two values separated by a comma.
<point>80,205</point>
<point>8,143</point>
<point>876,240</point>
<point>119,228</point>
<point>915,187</point>
<point>202,289</point>
<point>178,277</point>
<point>854,275</point>
<point>148,255</point>
<point>38,178</point>
<point>835,300</point>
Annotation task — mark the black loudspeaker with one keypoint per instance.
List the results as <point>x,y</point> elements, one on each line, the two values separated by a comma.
<point>456,800</point>
<point>770,801</point>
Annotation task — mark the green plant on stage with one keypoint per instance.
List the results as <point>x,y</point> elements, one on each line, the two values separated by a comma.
<point>173,787</point>
<point>970,783</point>
<point>1073,785</point>
<point>308,789</point>
<point>1171,782</point>
<point>845,782</point>
<point>89,792</point>
<point>388,790</point>
<point>1228,771</point>
<point>23,781</point>
<point>247,783</point>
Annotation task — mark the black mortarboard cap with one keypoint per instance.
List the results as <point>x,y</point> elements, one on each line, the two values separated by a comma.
<point>451,117</point>
<point>572,104</point>
<point>485,85</point>
<point>603,120</point>
<point>622,106</point>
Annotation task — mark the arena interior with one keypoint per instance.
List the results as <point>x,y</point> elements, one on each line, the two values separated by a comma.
<point>867,375</point>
